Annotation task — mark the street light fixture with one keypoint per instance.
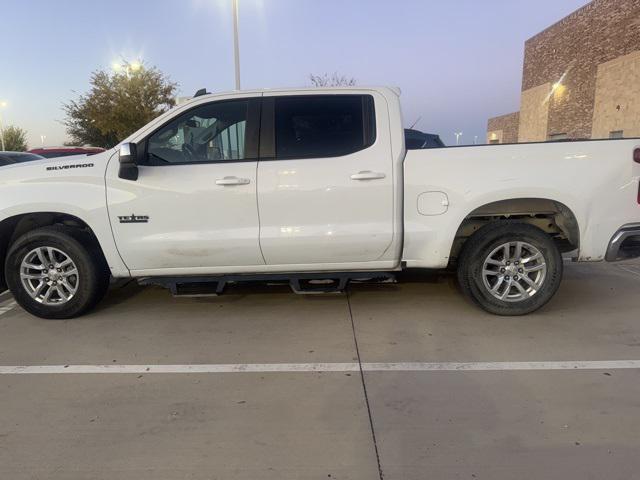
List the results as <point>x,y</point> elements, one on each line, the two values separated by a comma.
<point>127,67</point>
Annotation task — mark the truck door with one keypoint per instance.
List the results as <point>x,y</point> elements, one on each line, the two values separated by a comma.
<point>194,206</point>
<point>325,180</point>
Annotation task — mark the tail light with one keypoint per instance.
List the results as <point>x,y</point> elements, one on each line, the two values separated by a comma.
<point>636,158</point>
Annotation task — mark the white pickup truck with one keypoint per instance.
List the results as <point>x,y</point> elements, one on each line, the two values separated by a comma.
<point>314,187</point>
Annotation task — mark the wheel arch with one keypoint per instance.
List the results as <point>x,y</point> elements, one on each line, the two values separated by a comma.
<point>11,228</point>
<point>551,216</point>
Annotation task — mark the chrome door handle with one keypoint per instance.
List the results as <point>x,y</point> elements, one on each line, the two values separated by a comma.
<point>367,175</point>
<point>226,181</point>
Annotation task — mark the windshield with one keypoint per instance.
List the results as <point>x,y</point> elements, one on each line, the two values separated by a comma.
<point>22,157</point>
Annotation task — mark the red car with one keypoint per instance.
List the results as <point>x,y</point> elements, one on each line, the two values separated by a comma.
<point>55,152</point>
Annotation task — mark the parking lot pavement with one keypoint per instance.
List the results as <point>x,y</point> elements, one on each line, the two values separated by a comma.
<point>330,424</point>
<point>244,426</point>
<point>506,425</point>
<point>594,316</point>
<point>137,325</point>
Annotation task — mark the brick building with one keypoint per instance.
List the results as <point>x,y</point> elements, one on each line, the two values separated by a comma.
<point>581,78</point>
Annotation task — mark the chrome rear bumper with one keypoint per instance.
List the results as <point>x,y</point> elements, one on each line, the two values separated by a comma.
<point>625,244</point>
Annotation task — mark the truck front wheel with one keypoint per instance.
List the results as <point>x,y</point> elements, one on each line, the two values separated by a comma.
<point>510,268</point>
<point>56,272</point>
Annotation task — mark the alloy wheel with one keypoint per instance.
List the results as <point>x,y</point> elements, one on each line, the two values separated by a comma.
<point>514,271</point>
<point>49,276</point>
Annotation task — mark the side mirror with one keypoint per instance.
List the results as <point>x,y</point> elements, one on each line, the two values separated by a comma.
<point>128,167</point>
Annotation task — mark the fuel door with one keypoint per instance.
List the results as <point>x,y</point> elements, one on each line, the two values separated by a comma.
<point>433,203</point>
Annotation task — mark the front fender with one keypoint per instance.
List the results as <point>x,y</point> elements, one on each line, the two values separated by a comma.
<point>80,192</point>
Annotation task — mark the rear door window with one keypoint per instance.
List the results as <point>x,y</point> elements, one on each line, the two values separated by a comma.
<point>316,126</point>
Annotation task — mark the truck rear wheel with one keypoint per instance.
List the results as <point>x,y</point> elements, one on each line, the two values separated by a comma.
<point>510,268</point>
<point>56,272</point>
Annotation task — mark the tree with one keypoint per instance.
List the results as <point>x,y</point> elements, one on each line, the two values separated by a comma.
<point>334,80</point>
<point>15,139</point>
<point>118,104</point>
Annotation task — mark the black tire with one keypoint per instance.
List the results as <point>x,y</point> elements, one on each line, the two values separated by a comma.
<point>477,249</point>
<point>80,247</point>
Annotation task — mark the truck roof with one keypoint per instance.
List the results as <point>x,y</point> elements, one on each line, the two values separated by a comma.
<point>294,90</point>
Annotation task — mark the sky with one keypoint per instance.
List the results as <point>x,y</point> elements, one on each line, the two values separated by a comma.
<point>457,62</point>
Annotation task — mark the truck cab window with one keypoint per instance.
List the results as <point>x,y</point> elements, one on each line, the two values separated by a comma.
<point>323,126</point>
<point>209,133</point>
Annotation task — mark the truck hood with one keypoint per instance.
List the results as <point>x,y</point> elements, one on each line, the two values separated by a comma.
<point>52,169</point>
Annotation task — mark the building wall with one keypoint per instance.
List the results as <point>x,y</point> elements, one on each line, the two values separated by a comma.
<point>503,129</point>
<point>581,76</point>
<point>617,99</point>
<point>572,50</point>
<point>534,114</point>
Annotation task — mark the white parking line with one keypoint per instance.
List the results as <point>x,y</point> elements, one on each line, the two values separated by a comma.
<point>197,368</point>
<point>502,366</point>
<point>7,306</point>
<point>320,367</point>
<point>631,269</point>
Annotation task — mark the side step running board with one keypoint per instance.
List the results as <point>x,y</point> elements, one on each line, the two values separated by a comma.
<point>303,286</point>
<point>313,283</point>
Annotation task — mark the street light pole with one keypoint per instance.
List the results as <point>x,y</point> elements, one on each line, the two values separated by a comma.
<point>458,135</point>
<point>236,46</point>
<point>2,105</point>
